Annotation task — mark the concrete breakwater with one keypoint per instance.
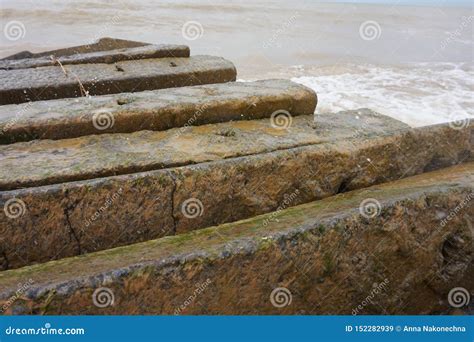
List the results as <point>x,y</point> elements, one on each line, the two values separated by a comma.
<point>155,110</point>
<point>57,81</point>
<point>316,251</point>
<point>234,185</point>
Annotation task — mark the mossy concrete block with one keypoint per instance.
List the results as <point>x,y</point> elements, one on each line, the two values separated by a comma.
<point>51,82</point>
<point>46,162</point>
<point>396,248</point>
<point>164,183</point>
<point>153,110</point>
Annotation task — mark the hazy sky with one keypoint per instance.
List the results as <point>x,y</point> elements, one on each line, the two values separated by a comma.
<point>413,2</point>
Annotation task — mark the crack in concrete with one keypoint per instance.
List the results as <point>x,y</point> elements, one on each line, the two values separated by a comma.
<point>72,232</point>
<point>344,185</point>
<point>172,195</point>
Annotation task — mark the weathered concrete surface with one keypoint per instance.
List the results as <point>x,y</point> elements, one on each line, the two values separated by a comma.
<point>153,110</point>
<point>45,162</point>
<point>102,44</point>
<point>109,56</point>
<point>45,83</point>
<point>329,256</point>
<point>233,175</point>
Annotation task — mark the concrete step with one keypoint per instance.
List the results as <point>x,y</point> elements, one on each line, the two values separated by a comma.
<point>108,56</point>
<point>45,162</point>
<point>53,82</point>
<point>404,245</point>
<point>91,193</point>
<point>102,44</point>
<point>153,110</point>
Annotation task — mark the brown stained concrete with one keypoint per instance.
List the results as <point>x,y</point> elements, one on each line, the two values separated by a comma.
<point>45,83</point>
<point>45,162</point>
<point>109,56</point>
<point>413,250</point>
<point>153,110</point>
<point>228,176</point>
<point>103,44</point>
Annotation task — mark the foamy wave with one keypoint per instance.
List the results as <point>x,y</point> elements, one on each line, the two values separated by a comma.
<point>418,94</point>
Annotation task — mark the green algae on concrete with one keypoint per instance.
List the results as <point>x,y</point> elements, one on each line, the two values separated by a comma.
<point>406,245</point>
<point>45,162</point>
<point>339,152</point>
<point>50,82</point>
<point>154,110</point>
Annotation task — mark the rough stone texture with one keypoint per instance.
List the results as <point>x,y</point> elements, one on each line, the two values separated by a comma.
<point>37,163</point>
<point>153,110</point>
<point>328,255</point>
<point>110,56</point>
<point>234,176</point>
<point>45,83</point>
<point>102,44</point>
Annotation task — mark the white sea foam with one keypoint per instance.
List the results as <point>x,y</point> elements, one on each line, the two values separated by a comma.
<point>418,94</point>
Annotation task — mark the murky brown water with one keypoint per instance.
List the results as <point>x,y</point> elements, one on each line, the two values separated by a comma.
<point>413,63</point>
